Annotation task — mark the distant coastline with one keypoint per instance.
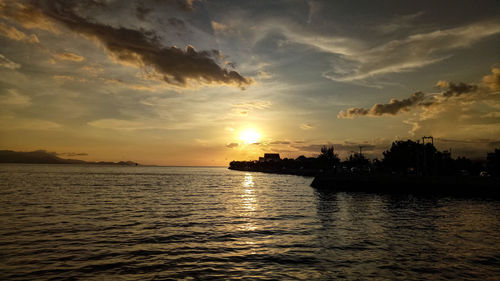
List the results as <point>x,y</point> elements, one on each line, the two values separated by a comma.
<point>44,157</point>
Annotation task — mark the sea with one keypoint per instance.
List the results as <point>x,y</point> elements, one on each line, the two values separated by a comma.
<point>85,222</point>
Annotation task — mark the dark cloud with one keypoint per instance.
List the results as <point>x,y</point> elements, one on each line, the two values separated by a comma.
<point>72,154</point>
<point>231,64</point>
<point>283,150</point>
<point>7,63</point>
<point>310,148</point>
<point>464,141</point>
<point>186,5</point>
<point>232,145</point>
<point>353,112</point>
<point>455,89</point>
<point>337,146</point>
<point>435,103</point>
<point>392,108</point>
<point>280,142</point>
<point>489,142</point>
<point>143,48</point>
<point>494,144</point>
<point>141,11</point>
<point>175,22</point>
<point>474,148</point>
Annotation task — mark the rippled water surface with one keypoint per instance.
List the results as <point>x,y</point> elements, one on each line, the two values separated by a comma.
<point>75,222</point>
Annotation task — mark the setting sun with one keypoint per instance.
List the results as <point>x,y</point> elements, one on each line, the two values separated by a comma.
<point>249,136</point>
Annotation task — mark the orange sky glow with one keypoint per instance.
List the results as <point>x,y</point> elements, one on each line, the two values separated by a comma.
<point>202,83</point>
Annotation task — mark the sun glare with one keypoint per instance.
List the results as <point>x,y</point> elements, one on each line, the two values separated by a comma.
<point>249,136</point>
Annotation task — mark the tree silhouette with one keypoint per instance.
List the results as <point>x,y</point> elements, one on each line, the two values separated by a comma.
<point>357,160</point>
<point>411,157</point>
<point>328,159</point>
<point>493,162</point>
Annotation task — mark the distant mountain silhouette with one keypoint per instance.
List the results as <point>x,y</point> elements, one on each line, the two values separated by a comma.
<point>44,157</point>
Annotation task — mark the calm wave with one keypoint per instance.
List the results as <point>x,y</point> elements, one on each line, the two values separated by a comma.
<point>157,223</point>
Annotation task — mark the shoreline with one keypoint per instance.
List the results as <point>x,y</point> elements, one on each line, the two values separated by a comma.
<point>452,185</point>
<point>294,172</point>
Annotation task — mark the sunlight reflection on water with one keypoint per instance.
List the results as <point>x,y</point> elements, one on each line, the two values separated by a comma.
<point>249,203</point>
<point>107,223</point>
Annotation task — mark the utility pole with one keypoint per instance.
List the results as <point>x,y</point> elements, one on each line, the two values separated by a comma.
<point>424,170</point>
<point>360,150</point>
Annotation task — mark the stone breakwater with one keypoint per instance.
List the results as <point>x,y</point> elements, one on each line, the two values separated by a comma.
<point>442,185</point>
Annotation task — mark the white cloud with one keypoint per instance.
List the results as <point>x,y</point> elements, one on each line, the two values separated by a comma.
<point>307,126</point>
<point>357,60</point>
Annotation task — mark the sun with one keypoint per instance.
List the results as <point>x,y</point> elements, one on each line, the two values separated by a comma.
<point>249,136</point>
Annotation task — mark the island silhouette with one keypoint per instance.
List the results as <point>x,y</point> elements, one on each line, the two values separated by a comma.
<point>45,157</point>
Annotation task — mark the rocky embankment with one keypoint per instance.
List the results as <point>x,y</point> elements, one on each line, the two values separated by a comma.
<point>410,184</point>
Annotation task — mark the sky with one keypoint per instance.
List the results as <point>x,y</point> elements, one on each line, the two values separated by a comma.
<point>202,83</point>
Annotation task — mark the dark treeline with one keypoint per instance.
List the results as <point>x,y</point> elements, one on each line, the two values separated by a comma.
<point>402,158</point>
